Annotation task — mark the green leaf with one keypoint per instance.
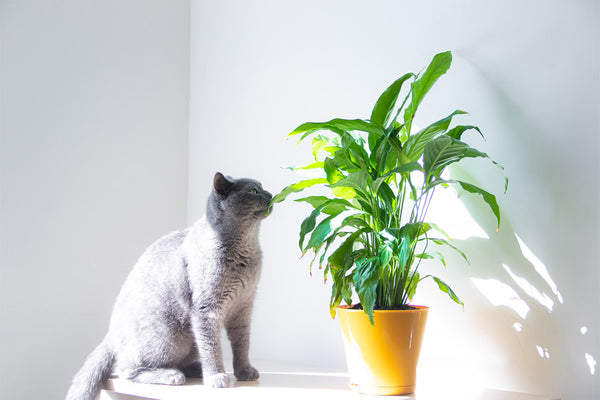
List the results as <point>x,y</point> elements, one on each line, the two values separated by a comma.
<point>359,155</point>
<point>432,255</point>
<point>365,284</point>
<point>357,181</point>
<point>332,171</point>
<point>296,187</point>
<point>333,206</point>
<point>385,104</point>
<point>489,198</point>
<point>415,144</point>
<point>336,290</point>
<point>444,151</point>
<point>315,165</point>
<point>386,194</point>
<point>342,256</point>
<point>437,67</point>
<point>401,170</point>
<point>322,231</point>
<point>409,231</point>
<point>338,126</point>
<point>398,151</point>
<point>339,205</point>
<point>412,285</point>
<point>444,242</point>
<point>445,288</point>
<point>320,144</point>
<point>457,131</point>
<point>385,255</point>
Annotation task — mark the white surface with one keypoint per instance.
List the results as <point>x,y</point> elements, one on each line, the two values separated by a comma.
<point>298,385</point>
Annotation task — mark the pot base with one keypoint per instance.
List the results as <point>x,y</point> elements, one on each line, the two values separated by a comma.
<point>382,390</point>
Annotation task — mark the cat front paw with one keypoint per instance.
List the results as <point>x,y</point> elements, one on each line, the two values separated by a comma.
<point>247,374</point>
<point>217,381</point>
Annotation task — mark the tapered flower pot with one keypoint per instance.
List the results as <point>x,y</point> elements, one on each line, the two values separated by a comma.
<point>382,359</point>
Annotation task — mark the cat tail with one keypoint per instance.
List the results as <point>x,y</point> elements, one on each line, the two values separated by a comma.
<point>95,372</point>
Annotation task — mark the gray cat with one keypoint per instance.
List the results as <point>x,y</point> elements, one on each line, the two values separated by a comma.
<point>184,289</point>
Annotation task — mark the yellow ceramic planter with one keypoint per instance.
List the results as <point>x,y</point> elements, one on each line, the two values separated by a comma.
<point>382,359</point>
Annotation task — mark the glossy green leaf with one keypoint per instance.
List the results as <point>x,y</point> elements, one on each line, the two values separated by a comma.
<point>322,230</point>
<point>357,181</point>
<point>444,151</point>
<point>489,198</point>
<point>415,144</point>
<point>432,255</point>
<point>445,288</point>
<point>338,126</point>
<point>437,67</point>
<point>296,187</point>
<point>385,104</point>
<point>332,171</point>
<point>309,223</point>
<point>333,206</point>
<point>411,287</point>
<point>315,165</point>
<point>320,144</point>
<point>365,284</point>
<point>385,255</point>
<point>444,242</point>
<point>401,170</point>
<point>457,131</point>
<point>342,257</point>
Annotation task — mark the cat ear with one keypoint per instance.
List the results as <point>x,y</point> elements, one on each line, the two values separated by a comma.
<point>222,185</point>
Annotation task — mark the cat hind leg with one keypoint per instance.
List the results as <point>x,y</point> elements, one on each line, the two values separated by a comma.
<point>160,376</point>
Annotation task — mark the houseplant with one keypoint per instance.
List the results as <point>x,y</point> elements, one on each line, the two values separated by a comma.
<point>368,226</point>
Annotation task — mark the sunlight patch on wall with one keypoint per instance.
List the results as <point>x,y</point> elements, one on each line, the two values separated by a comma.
<point>531,291</point>
<point>543,352</point>
<point>450,213</point>
<point>539,267</point>
<point>591,362</point>
<point>518,326</point>
<point>500,294</point>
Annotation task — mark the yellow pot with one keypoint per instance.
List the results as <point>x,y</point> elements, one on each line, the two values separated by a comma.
<point>382,359</point>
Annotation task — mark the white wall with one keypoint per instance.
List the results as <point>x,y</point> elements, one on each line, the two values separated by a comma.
<point>527,72</point>
<point>93,155</point>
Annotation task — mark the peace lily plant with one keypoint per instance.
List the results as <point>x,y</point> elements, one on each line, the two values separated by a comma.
<point>369,230</point>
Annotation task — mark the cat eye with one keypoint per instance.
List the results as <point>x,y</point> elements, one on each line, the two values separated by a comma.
<point>253,191</point>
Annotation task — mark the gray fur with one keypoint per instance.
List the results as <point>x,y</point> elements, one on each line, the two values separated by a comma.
<point>184,289</point>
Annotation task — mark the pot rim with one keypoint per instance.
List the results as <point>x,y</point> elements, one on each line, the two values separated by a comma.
<point>418,308</point>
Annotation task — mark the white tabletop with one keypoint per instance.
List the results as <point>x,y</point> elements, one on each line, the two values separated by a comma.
<point>291,385</point>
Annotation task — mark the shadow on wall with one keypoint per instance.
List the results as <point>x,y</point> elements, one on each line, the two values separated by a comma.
<point>525,324</point>
<point>542,340</point>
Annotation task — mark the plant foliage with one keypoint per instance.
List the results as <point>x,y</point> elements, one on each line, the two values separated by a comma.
<point>369,232</point>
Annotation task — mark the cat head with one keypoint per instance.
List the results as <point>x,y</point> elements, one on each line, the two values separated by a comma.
<point>237,199</point>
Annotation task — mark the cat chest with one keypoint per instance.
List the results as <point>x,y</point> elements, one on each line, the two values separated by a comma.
<point>241,276</point>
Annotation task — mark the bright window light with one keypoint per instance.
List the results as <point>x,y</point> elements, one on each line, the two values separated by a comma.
<point>452,216</point>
